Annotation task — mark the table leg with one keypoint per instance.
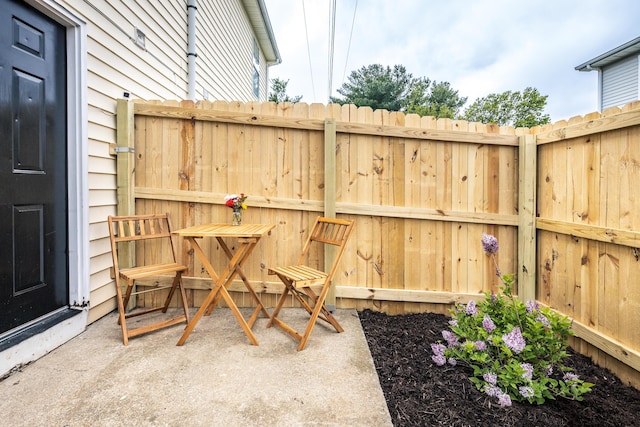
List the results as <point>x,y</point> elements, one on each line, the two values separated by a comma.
<point>235,260</point>
<point>216,286</point>
<point>236,312</point>
<point>219,288</point>
<point>259,308</point>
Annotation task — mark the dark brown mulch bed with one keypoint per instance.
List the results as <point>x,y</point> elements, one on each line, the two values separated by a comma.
<point>419,393</point>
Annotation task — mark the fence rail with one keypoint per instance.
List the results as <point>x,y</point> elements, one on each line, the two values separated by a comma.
<point>422,191</point>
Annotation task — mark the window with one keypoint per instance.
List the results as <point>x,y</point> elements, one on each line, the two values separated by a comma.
<point>256,83</point>
<point>256,54</point>
<point>256,69</point>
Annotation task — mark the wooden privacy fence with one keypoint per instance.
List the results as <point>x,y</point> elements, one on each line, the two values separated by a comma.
<point>422,192</point>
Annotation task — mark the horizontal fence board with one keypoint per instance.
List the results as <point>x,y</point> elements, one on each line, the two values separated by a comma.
<point>318,206</point>
<point>590,127</point>
<point>607,344</point>
<point>274,287</point>
<point>592,232</point>
<point>370,129</point>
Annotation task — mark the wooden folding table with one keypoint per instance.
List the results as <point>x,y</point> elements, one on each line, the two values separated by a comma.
<point>247,237</point>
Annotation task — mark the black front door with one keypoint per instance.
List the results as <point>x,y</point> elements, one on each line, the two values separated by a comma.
<point>33,166</point>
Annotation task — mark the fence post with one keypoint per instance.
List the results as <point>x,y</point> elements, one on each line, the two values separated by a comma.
<point>125,160</point>
<point>330,197</point>
<point>125,165</point>
<point>527,177</point>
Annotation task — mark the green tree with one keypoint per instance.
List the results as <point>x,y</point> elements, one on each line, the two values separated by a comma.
<point>439,100</point>
<point>394,89</point>
<point>518,109</point>
<point>278,92</point>
<point>377,87</point>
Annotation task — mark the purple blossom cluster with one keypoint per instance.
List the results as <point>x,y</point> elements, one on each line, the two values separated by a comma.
<point>526,392</point>
<point>490,377</point>
<point>450,338</point>
<point>488,324</point>
<point>542,319</point>
<point>570,377</point>
<point>480,345</point>
<point>528,370</point>
<point>471,309</point>
<point>489,244</point>
<point>532,306</point>
<point>503,398</point>
<point>514,340</point>
<point>438,354</point>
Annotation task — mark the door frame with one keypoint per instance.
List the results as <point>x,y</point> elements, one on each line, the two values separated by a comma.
<point>78,195</point>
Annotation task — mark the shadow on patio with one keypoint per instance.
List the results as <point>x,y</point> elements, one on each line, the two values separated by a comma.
<point>216,378</point>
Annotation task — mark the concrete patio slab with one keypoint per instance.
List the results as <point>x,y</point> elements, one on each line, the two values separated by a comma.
<point>216,379</point>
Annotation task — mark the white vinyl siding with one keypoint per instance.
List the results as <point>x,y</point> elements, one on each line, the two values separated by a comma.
<point>620,83</point>
<point>115,64</point>
<point>224,42</point>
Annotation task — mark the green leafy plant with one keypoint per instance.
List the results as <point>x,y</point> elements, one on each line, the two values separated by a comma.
<point>515,349</point>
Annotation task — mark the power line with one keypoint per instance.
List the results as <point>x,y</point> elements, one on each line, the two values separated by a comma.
<point>332,34</point>
<point>306,32</point>
<point>353,20</point>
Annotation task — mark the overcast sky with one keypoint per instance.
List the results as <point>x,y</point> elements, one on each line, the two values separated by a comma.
<point>479,46</point>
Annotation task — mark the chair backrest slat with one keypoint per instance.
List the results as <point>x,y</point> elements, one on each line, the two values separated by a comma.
<point>140,228</point>
<point>329,231</point>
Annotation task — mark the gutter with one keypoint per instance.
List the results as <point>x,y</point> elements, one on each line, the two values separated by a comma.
<point>270,34</point>
<point>191,49</point>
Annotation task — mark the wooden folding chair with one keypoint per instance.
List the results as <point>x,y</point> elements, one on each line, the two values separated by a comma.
<point>148,230</point>
<point>299,279</point>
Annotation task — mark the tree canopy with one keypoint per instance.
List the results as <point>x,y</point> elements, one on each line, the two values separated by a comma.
<point>395,89</point>
<point>439,101</point>
<point>518,109</point>
<point>377,87</point>
<point>279,94</point>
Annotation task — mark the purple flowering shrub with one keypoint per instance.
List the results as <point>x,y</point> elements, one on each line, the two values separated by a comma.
<point>515,349</point>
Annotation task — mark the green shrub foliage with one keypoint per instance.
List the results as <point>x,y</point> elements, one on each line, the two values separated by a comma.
<point>515,349</point>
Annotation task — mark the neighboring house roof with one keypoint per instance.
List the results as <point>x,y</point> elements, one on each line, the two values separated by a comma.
<point>259,18</point>
<point>630,48</point>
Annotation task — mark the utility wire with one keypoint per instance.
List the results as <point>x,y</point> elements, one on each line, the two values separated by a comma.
<point>306,32</point>
<point>332,34</point>
<point>353,20</point>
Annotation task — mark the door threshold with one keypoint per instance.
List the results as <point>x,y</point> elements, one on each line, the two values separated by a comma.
<point>24,332</point>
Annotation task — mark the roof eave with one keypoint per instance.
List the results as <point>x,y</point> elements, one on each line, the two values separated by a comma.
<point>623,51</point>
<point>259,19</point>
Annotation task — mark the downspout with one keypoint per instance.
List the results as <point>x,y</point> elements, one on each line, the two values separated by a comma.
<point>191,49</point>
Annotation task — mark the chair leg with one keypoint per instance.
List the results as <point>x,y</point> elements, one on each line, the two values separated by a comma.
<point>318,307</point>
<point>172,291</point>
<point>318,310</point>
<point>325,314</point>
<point>275,320</point>
<point>177,284</point>
<point>127,295</point>
<point>183,296</point>
<point>279,305</point>
<point>122,319</point>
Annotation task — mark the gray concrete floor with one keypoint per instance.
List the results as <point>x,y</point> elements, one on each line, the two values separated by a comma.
<point>216,379</point>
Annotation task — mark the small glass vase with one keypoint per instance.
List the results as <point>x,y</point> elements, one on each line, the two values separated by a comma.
<point>236,219</point>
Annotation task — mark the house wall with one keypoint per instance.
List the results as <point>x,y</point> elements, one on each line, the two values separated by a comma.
<point>225,53</point>
<point>115,65</point>
<point>620,83</point>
